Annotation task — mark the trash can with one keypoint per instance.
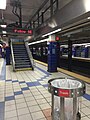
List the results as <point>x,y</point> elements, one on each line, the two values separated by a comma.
<point>65,98</point>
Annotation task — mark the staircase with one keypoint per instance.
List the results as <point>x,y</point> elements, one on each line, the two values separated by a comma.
<point>21,57</point>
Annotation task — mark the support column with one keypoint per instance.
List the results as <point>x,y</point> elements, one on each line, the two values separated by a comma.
<point>8,55</point>
<point>69,55</point>
<point>52,54</point>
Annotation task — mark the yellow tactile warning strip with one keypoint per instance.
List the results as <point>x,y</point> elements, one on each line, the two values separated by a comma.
<point>23,69</point>
<point>45,64</point>
<point>80,77</point>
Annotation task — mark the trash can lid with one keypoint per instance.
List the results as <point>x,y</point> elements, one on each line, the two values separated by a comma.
<point>67,87</point>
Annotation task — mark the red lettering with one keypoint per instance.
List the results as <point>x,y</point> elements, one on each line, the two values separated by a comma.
<point>30,31</point>
<point>23,31</point>
<point>64,93</point>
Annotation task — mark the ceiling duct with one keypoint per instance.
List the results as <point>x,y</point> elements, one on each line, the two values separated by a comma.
<point>73,12</point>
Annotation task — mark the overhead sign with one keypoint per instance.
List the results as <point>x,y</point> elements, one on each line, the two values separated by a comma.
<point>16,31</point>
<point>22,31</point>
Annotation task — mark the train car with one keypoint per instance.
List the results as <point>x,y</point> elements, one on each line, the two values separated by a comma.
<point>80,56</point>
<point>39,51</point>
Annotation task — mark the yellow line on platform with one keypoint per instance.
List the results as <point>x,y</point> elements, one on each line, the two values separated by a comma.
<point>40,62</point>
<point>23,69</point>
<point>78,76</point>
<point>75,75</point>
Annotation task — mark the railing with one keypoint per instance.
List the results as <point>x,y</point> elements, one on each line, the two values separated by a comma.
<point>46,11</point>
<point>30,55</point>
<point>13,61</point>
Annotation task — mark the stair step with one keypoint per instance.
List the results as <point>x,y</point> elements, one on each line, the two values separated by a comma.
<point>20,55</point>
<point>22,63</point>
<point>21,58</point>
<point>18,61</point>
<point>23,66</point>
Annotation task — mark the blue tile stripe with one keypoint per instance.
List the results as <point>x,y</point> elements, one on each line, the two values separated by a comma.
<point>25,88</point>
<point>3,71</point>
<point>47,73</point>
<point>8,80</point>
<point>30,84</point>
<point>9,98</point>
<point>15,81</point>
<point>87,96</point>
<point>18,93</point>
<point>2,110</point>
<point>21,82</point>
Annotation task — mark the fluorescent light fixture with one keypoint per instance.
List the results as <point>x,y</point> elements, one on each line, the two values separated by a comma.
<point>32,43</point>
<point>4,35</point>
<point>3,4</point>
<point>4,32</point>
<point>87,5</point>
<point>3,26</point>
<point>51,32</point>
<point>88,18</point>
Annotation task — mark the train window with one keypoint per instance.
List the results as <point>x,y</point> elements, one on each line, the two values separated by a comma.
<point>39,51</point>
<point>34,51</point>
<point>44,51</point>
<point>88,51</point>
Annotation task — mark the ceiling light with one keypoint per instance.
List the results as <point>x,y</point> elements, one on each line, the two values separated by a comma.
<point>52,32</point>
<point>4,32</point>
<point>3,4</point>
<point>4,35</point>
<point>88,18</point>
<point>3,26</point>
<point>45,40</point>
<point>87,5</point>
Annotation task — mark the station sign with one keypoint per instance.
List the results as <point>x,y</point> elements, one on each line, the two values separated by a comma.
<point>23,31</point>
<point>16,31</point>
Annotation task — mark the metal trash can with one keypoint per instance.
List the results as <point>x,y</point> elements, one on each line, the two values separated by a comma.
<point>65,98</point>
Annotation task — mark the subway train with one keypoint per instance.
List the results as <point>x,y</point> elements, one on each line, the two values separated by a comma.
<point>80,56</point>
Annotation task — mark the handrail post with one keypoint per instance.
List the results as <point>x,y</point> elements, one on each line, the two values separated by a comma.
<point>13,61</point>
<point>51,4</point>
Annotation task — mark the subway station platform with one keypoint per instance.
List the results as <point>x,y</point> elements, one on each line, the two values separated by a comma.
<point>24,94</point>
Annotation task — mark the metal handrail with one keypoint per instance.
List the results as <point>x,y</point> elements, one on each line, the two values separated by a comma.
<point>30,55</point>
<point>13,61</point>
<point>40,10</point>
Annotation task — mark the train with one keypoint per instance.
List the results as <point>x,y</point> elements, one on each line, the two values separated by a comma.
<point>80,56</point>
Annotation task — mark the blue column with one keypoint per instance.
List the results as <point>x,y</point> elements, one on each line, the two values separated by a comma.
<point>52,57</point>
<point>8,55</point>
<point>86,52</point>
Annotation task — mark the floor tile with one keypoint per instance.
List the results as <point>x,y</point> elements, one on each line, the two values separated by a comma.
<point>22,111</point>
<point>41,101</point>
<point>34,108</point>
<point>86,111</point>
<point>11,102</point>
<point>13,118</point>
<point>28,99</point>
<point>10,114</point>
<point>32,103</point>
<point>47,112</point>
<point>37,115</point>
<point>25,117</point>
<point>86,103</point>
<point>39,97</point>
<point>85,118</point>
<point>49,118</point>
<point>19,97</point>
<point>20,100</point>
<point>21,105</point>
<point>10,107</point>
<point>44,106</point>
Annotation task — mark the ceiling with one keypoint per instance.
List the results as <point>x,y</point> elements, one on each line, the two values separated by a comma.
<point>29,7</point>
